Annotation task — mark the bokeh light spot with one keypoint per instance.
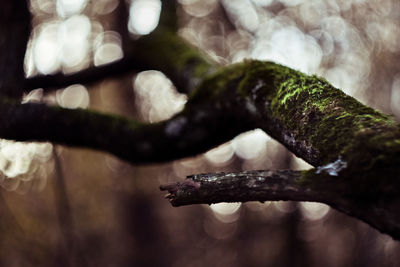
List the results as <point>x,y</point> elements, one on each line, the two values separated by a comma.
<point>198,8</point>
<point>144,16</point>
<point>251,144</point>
<point>243,12</point>
<point>156,97</point>
<point>74,96</point>
<point>226,212</point>
<point>74,37</point>
<point>314,210</point>
<point>22,163</point>
<point>107,53</point>
<point>70,7</point>
<point>46,48</point>
<point>220,155</point>
<point>103,7</point>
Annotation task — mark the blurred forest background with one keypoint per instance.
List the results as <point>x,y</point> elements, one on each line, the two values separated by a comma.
<point>75,207</point>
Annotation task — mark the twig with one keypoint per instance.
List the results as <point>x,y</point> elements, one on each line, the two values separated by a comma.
<point>240,187</point>
<point>268,185</point>
<point>87,76</point>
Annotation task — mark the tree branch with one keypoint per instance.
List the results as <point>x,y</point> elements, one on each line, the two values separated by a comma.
<point>190,132</point>
<point>243,186</point>
<point>316,121</point>
<point>93,74</point>
<point>379,212</point>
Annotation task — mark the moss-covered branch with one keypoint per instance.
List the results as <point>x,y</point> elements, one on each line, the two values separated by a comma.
<point>190,132</point>
<point>355,148</point>
<point>316,121</point>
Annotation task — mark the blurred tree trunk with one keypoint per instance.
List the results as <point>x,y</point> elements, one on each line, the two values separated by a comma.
<point>14,35</point>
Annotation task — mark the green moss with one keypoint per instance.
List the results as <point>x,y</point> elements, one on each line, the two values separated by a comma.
<point>101,120</point>
<point>322,117</point>
<point>306,108</point>
<point>217,84</point>
<point>326,118</point>
<point>264,76</point>
<point>164,50</point>
<point>308,114</point>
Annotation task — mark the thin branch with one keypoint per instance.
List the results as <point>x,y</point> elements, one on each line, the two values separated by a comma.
<point>258,185</point>
<point>165,51</point>
<point>240,187</point>
<point>187,133</point>
<point>86,76</point>
<point>269,185</point>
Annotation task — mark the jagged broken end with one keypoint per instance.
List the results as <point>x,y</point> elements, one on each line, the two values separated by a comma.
<point>181,193</point>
